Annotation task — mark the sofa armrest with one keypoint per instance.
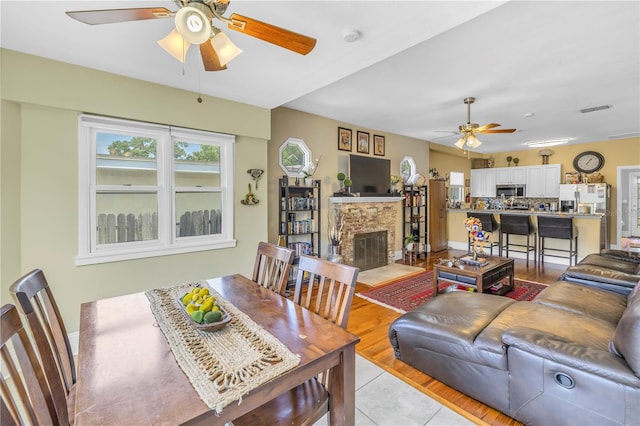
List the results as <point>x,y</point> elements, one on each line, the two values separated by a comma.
<point>627,256</point>
<point>557,349</point>
<point>607,279</point>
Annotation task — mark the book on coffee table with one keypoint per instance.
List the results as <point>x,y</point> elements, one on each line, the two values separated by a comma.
<point>469,260</point>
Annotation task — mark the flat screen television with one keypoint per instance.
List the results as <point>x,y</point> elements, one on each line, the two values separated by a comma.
<point>371,176</point>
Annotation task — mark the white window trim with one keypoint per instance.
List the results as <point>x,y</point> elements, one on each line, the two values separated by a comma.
<point>167,242</point>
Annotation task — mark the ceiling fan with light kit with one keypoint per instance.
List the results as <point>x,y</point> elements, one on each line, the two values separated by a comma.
<point>469,130</point>
<point>194,25</point>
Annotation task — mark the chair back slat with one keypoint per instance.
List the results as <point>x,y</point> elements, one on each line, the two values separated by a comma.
<point>272,265</point>
<point>27,399</point>
<point>35,299</point>
<point>335,289</point>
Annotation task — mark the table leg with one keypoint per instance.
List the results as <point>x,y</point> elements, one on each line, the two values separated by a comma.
<point>342,405</point>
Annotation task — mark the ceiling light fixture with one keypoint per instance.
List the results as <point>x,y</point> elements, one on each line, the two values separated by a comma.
<point>193,25</point>
<point>470,140</point>
<point>548,142</point>
<point>175,45</point>
<point>597,108</point>
<point>225,48</point>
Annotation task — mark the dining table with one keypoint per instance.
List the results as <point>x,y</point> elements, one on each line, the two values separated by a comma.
<point>127,373</point>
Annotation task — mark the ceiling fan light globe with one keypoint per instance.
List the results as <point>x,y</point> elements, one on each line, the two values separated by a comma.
<point>193,25</point>
<point>224,47</point>
<point>473,142</point>
<point>460,143</point>
<point>175,45</point>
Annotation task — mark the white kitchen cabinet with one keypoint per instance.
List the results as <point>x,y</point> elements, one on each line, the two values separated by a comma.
<point>511,175</point>
<point>551,179</point>
<point>483,182</point>
<point>543,181</point>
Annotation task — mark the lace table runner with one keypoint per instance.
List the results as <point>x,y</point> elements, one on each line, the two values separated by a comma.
<point>221,365</point>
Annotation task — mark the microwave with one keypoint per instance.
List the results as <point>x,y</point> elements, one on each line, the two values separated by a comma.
<point>510,191</point>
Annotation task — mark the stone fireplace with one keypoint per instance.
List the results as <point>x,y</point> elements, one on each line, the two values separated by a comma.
<point>370,250</point>
<point>369,218</point>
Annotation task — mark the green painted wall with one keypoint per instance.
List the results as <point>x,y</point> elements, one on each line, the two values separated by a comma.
<point>41,100</point>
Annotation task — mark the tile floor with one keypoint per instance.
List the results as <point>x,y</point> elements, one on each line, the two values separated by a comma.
<point>384,400</point>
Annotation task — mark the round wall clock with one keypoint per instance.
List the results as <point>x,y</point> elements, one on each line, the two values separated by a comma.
<point>588,162</point>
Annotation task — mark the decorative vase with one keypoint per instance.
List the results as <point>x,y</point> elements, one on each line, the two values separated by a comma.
<point>335,255</point>
<point>308,181</point>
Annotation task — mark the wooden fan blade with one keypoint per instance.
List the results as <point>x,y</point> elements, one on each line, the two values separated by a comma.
<point>270,33</point>
<point>487,126</point>
<point>498,131</point>
<point>111,16</point>
<point>210,57</point>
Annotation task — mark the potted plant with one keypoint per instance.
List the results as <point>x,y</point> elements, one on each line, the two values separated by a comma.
<point>409,241</point>
<point>395,180</point>
<point>341,177</point>
<point>309,170</point>
<point>347,184</point>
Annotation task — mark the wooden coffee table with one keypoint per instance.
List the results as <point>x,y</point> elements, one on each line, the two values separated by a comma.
<point>478,277</point>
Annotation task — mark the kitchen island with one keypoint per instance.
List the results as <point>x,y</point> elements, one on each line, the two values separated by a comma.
<point>588,225</point>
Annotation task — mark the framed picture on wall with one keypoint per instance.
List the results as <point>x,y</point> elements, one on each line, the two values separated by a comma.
<point>378,145</point>
<point>344,139</point>
<point>363,142</point>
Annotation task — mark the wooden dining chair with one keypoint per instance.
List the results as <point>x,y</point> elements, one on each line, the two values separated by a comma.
<point>272,266</point>
<point>26,397</point>
<point>35,300</point>
<point>327,289</point>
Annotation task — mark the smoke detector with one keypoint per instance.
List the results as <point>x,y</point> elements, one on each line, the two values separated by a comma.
<point>351,35</point>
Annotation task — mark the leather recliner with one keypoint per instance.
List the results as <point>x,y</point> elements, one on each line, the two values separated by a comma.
<point>571,356</point>
<point>613,270</point>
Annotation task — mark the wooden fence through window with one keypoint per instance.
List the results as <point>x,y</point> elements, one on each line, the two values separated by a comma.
<point>124,227</point>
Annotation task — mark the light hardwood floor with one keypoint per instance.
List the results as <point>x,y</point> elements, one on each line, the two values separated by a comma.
<point>371,322</point>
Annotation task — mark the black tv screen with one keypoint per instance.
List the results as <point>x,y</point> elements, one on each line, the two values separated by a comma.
<point>371,176</point>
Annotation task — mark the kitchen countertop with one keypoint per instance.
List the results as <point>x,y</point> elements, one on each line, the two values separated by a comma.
<point>531,213</point>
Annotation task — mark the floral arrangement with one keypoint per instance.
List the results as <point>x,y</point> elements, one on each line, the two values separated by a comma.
<point>335,225</point>
<point>311,168</point>
<point>395,180</point>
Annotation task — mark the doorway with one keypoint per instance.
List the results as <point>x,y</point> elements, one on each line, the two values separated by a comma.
<point>628,200</point>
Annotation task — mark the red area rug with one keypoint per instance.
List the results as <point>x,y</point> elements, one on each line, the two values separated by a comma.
<point>409,293</point>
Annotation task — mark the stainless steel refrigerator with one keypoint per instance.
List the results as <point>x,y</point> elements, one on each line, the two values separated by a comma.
<point>589,198</point>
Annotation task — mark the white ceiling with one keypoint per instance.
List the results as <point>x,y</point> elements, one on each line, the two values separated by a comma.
<point>408,74</point>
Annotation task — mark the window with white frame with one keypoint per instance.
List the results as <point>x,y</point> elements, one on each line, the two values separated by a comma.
<point>150,190</point>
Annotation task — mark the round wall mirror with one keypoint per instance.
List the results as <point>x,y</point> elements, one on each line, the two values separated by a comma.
<point>407,168</point>
<point>294,155</point>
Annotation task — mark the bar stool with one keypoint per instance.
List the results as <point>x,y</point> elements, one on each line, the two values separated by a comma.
<point>489,224</point>
<point>561,228</point>
<point>515,224</point>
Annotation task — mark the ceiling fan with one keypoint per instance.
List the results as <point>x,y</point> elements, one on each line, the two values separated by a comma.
<point>194,25</point>
<point>468,131</point>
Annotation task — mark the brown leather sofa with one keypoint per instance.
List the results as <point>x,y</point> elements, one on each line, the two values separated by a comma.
<point>613,270</point>
<point>571,356</point>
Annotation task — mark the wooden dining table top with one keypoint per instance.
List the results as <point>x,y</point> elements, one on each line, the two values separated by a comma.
<point>127,373</point>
